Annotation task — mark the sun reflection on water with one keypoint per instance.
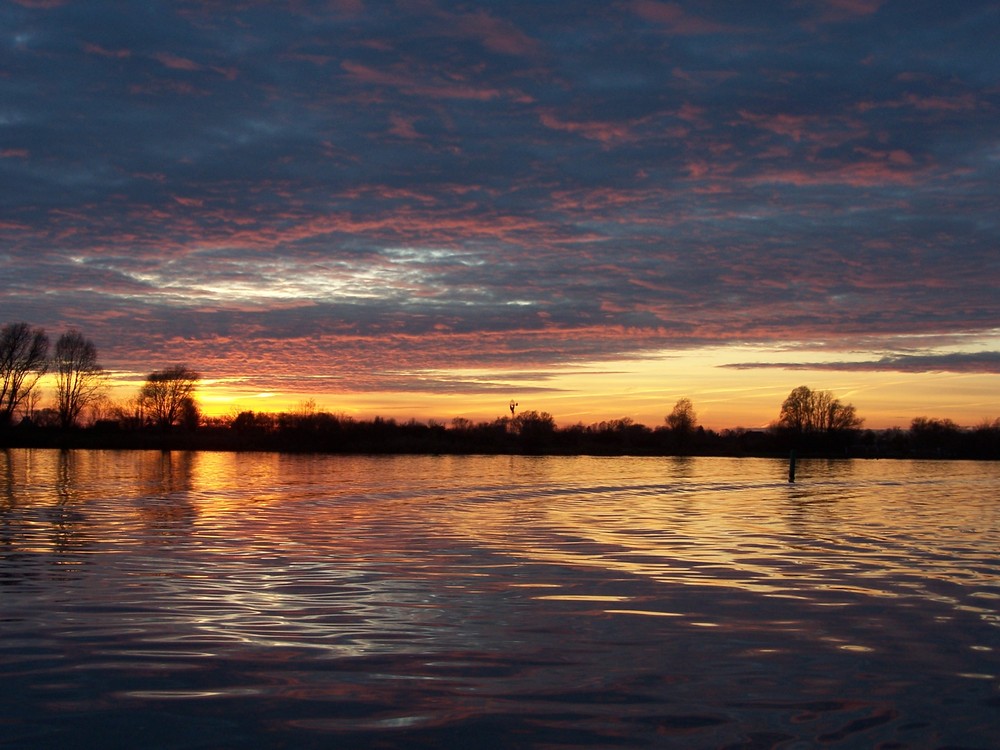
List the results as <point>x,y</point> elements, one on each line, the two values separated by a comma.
<point>202,577</point>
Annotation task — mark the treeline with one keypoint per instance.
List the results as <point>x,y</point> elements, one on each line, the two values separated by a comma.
<point>534,432</point>
<point>527,433</point>
<point>164,414</point>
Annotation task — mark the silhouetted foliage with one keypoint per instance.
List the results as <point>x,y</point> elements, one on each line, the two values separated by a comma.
<point>682,422</point>
<point>534,433</point>
<point>937,438</point>
<point>985,440</point>
<point>168,396</point>
<point>80,380</point>
<point>683,418</point>
<point>806,411</point>
<point>23,360</point>
<point>816,421</point>
<point>190,414</point>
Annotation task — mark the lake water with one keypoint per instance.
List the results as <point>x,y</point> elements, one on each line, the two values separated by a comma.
<point>216,600</point>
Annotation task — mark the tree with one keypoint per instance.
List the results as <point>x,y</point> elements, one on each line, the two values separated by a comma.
<point>938,437</point>
<point>23,360</point>
<point>682,420</point>
<point>534,428</point>
<point>811,412</point>
<point>29,406</point>
<point>80,380</point>
<point>190,414</point>
<point>796,411</point>
<point>168,395</point>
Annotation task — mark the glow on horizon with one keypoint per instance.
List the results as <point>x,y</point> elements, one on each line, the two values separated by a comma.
<point>643,390</point>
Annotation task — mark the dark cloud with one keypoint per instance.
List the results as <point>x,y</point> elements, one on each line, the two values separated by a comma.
<point>988,362</point>
<point>525,183</point>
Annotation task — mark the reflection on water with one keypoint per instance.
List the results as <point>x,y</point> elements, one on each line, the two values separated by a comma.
<point>250,600</point>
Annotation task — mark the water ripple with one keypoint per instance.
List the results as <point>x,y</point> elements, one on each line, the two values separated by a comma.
<point>504,601</point>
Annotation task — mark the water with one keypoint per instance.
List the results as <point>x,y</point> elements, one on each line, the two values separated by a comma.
<point>211,600</point>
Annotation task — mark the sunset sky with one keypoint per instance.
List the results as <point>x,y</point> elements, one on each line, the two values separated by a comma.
<point>423,208</point>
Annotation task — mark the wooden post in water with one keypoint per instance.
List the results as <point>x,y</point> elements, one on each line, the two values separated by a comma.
<point>791,466</point>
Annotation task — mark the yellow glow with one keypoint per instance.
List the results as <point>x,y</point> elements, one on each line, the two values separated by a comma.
<point>643,390</point>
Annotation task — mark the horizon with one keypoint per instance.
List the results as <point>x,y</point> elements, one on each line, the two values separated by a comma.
<point>422,211</point>
<point>765,402</point>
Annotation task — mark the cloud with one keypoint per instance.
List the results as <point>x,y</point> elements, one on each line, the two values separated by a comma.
<point>175,62</point>
<point>44,4</point>
<point>605,132</point>
<point>495,34</point>
<point>333,186</point>
<point>964,362</point>
<point>675,18</point>
<point>96,49</point>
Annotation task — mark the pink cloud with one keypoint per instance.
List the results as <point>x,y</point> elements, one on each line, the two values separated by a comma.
<point>96,49</point>
<point>957,103</point>
<point>605,132</point>
<point>840,11</point>
<point>812,129</point>
<point>862,174</point>
<point>229,73</point>
<point>675,19</point>
<point>792,126</point>
<point>157,87</point>
<point>189,202</point>
<point>691,113</point>
<point>176,63</point>
<point>14,153</point>
<point>347,7</point>
<point>408,82</point>
<point>403,127</point>
<point>317,60</point>
<point>495,34</point>
<point>41,3</point>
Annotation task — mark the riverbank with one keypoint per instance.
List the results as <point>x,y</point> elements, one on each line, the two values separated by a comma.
<point>388,437</point>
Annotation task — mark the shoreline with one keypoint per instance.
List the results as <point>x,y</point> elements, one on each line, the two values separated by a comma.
<point>422,440</point>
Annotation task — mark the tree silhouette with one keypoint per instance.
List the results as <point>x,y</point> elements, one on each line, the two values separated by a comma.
<point>80,380</point>
<point>23,360</point>
<point>168,395</point>
<point>806,411</point>
<point>682,420</point>
<point>535,430</point>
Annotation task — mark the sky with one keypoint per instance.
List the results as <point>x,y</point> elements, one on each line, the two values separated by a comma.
<point>426,209</point>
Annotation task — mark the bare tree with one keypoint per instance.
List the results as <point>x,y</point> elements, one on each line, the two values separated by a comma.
<point>80,380</point>
<point>130,413</point>
<point>29,406</point>
<point>23,360</point>
<point>101,408</point>
<point>807,411</point>
<point>682,420</point>
<point>168,395</point>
